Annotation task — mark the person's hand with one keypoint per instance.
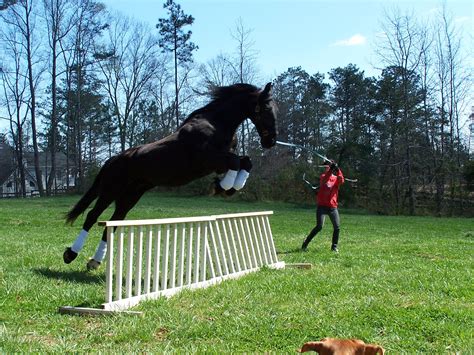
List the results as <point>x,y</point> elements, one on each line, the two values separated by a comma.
<point>334,168</point>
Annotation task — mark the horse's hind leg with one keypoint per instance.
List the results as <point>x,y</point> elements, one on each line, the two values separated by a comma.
<point>122,206</point>
<point>101,204</point>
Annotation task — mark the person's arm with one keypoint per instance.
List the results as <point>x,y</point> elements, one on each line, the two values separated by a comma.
<point>340,177</point>
<point>325,176</point>
<point>338,172</point>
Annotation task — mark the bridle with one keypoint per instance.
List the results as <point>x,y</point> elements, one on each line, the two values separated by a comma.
<point>257,121</point>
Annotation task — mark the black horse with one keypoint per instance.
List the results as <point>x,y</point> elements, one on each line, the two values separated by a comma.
<point>202,145</point>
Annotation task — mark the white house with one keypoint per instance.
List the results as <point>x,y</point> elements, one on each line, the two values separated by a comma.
<point>10,185</point>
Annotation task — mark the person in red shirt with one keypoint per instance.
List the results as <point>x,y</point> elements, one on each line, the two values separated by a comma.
<point>327,200</point>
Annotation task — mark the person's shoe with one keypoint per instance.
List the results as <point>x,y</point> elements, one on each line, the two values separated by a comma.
<point>334,249</point>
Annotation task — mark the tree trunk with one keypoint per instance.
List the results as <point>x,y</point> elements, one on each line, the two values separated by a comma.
<point>31,82</point>
<point>176,102</point>
<point>52,174</point>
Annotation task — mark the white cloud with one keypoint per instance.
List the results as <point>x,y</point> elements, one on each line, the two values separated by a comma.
<point>355,40</point>
<point>434,11</point>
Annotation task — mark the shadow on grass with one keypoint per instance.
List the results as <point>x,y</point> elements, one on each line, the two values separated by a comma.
<point>291,251</point>
<point>73,276</point>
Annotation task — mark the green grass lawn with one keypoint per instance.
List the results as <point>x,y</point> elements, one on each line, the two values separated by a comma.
<point>405,283</point>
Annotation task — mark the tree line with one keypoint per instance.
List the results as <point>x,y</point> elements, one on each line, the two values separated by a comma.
<point>88,83</point>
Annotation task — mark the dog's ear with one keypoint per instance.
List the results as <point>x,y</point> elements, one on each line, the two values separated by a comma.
<point>371,349</point>
<point>311,346</point>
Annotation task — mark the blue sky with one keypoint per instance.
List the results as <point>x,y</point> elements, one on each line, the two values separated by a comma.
<point>317,35</point>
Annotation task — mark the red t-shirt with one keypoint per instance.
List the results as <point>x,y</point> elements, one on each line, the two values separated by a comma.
<point>329,188</point>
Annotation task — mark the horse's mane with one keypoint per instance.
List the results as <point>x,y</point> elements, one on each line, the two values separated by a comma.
<point>225,92</point>
<point>219,94</point>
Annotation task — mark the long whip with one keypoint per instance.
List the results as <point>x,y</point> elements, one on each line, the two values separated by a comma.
<point>314,152</point>
<point>304,148</point>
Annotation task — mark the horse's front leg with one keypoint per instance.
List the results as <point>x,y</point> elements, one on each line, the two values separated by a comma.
<point>237,171</point>
<point>230,163</point>
<point>244,172</point>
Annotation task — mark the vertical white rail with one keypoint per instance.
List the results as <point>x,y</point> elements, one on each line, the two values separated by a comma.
<point>119,266</point>
<point>139,263</point>
<point>261,243</point>
<point>256,243</point>
<point>220,246</point>
<point>129,263</point>
<point>189,254</point>
<point>197,254</point>
<point>156,276</point>
<point>270,238</point>
<point>148,252</point>
<point>164,267</point>
<point>227,248</point>
<point>215,253</point>
<point>239,241</point>
<point>263,235</point>
<point>233,245</point>
<point>204,248</point>
<point>181,255</point>
<point>109,275</point>
<point>173,257</point>
<point>248,234</point>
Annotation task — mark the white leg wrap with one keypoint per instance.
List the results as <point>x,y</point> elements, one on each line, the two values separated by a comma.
<point>241,178</point>
<point>228,180</point>
<point>100,252</point>
<point>79,242</point>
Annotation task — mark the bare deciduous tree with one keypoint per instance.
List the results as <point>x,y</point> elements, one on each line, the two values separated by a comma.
<point>21,18</point>
<point>60,19</point>
<point>402,47</point>
<point>132,61</point>
<point>451,93</point>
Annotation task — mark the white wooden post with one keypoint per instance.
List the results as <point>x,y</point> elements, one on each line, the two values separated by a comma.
<point>148,251</point>
<point>139,263</point>
<point>156,276</point>
<point>181,255</point>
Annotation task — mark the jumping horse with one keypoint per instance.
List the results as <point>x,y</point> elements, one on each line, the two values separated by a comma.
<point>202,145</point>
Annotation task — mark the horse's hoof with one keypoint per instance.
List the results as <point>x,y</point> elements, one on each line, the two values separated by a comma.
<point>92,265</point>
<point>230,192</point>
<point>216,188</point>
<point>69,255</point>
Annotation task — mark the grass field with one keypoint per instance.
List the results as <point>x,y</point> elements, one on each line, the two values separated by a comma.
<point>405,283</point>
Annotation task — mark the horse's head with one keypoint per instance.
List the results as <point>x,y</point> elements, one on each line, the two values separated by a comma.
<point>264,117</point>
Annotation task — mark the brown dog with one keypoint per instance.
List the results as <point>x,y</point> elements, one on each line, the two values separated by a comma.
<point>331,346</point>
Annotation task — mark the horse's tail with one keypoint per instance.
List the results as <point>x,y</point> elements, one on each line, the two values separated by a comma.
<point>85,200</point>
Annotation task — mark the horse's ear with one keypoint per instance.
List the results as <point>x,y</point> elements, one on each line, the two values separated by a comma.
<point>266,92</point>
<point>267,89</point>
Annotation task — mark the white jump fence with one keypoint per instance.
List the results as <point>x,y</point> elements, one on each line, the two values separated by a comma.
<point>147,259</point>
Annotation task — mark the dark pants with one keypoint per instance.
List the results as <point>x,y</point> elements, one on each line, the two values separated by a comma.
<point>320,215</point>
